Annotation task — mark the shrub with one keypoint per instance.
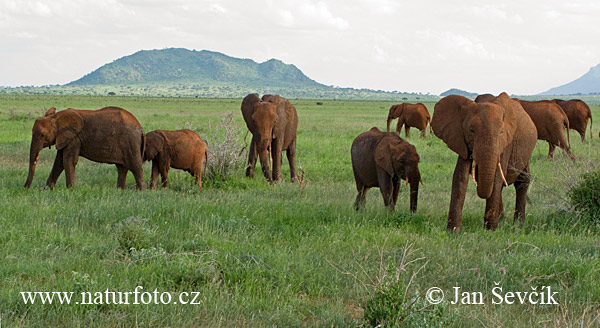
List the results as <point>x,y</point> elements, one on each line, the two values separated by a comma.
<point>390,306</point>
<point>585,196</point>
<point>226,149</point>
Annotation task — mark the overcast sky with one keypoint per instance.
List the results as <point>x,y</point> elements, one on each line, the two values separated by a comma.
<point>519,46</point>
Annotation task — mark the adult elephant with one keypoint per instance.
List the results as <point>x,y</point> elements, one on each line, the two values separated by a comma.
<point>494,142</point>
<point>108,135</point>
<point>551,123</point>
<point>383,159</point>
<point>409,115</point>
<point>578,113</point>
<point>273,122</point>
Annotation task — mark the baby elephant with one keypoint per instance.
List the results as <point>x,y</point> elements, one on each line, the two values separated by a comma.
<point>382,159</point>
<point>181,149</point>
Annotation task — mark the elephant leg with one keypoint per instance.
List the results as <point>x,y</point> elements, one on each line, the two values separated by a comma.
<point>163,168</point>
<point>500,209</point>
<point>138,174</point>
<point>154,176</point>
<point>196,170</point>
<point>57,169</point>
<point>406,130</point>
<point>70,158</point>
<point>291,156</point>
<point>521,187</point>
<point>361,196</point>
<point>460,180</point>
<point>399,125</point>
<point>492,205</point>
<point>551,148</point>
<point>252,155</point>
<point>386,186</point>
<point>395,190</point>
<point>122,177</point>
<point>276,153</point>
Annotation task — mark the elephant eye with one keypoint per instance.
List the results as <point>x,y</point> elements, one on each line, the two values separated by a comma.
<point>501,132</point>
<point>471,130</point>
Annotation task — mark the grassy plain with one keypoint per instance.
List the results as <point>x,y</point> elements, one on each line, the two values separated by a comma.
<point>278,255</point>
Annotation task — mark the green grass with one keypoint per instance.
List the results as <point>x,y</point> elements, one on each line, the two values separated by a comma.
<point>262,255</point>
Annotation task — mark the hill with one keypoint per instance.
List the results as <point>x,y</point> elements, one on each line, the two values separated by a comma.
<point>177,72</point>
<point>190,66</point>
<point>458,92</point>
<point>589,83</point>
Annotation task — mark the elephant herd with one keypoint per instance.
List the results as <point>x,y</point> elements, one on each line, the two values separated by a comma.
<point>493,137</point>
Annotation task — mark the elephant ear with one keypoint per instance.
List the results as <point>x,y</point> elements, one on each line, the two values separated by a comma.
<point>50,111</point>
<point>248,109</point>
<point>383,155</point>
<point>447,122</point>
<point>155,142</point>
<point>68,125</point>
<point>510,118</point>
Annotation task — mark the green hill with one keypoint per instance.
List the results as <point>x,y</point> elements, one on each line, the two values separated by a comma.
<point>190,66</point>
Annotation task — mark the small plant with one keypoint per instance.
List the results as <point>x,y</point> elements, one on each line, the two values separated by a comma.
<point>585,196</point>
<point>134,233</point>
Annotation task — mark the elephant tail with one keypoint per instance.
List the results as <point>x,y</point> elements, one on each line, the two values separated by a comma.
<point>591,125</point>
<point>205,162</point>
<point>143,146</point>
<point>566,123</point>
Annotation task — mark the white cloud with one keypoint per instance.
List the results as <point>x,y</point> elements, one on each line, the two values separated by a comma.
<point>422,46</point>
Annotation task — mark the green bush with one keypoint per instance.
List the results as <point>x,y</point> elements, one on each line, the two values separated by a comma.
<point>390,307</point>
<point>585,197</point>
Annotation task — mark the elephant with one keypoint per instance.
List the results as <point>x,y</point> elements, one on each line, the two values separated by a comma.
<point>383,159</point>
<point>107,135</point>
<point>409,115</point>
<point>550,122</point>
<point>578,113</point>
<point>273,122</point>
<point>181,149</point>
<point>494,142</point>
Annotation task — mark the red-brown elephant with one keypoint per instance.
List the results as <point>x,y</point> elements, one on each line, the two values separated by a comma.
<point>494,142</point>
<point>108,135</point>
<point>578,113</point>
<point>273,122</point>
<point>383,159</point>
<point>551,123</point>
<point>181,149</point>
<point>409,115</point>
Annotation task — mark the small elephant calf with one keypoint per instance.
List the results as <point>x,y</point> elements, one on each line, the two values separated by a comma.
<point>181,149</point>
<point>382,159</point>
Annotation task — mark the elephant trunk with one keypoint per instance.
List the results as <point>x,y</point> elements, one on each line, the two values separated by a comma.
<point>265,158</point>
<point>485,164</point>
<point>389,120</point>
<point>414,195</point>
<point>34,154</point>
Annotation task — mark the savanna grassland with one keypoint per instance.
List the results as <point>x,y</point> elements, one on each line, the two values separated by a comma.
<point>284,254</point>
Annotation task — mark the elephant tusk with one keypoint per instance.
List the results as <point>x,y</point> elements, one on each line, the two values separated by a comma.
<point>473,165</point>
<point>502,174</point>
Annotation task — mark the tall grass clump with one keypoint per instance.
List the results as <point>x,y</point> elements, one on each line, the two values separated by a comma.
<point>585,197</point>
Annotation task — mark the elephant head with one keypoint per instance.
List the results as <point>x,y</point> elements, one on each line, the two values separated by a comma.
<point>395,112</point>
<point>155,143</point>
<point>265,118</point>
<point>399,159</point>
<point>52,129</point>
<point>477,131</point>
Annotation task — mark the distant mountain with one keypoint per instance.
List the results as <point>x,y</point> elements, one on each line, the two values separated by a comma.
<point>190,66</point>
<point>458,92</point>
<point>587,84</point>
